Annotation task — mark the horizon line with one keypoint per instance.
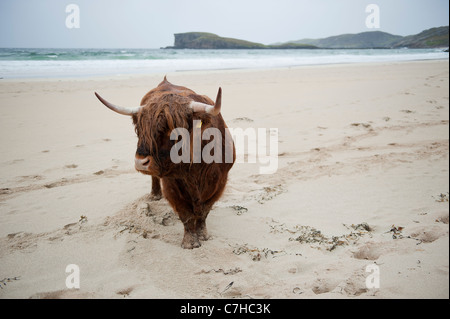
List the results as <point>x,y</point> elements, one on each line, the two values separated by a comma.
<point>155,48</point>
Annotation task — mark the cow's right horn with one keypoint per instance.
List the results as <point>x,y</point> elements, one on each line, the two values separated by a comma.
<point>211,109</point>
<point>119,109</point>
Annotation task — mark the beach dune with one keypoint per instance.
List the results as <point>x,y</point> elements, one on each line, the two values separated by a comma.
<point>357,208</point>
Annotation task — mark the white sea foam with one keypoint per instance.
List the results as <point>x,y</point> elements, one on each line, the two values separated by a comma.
<point>76,62</point>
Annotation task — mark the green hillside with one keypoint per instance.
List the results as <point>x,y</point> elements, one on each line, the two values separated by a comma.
<point>374,39</point>
<point>204,40</point>
<point>431,38</point>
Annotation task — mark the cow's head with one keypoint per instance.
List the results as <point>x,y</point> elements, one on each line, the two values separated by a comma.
<point>162,110</point>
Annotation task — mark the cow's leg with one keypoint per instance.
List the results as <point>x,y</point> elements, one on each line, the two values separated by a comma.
<point>202,232</point>
<point>156,189</point>
<point>191,239</point>
<point>181,203</point>
<point>194,230</point>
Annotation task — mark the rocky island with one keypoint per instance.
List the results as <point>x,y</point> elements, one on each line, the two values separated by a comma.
<point>204,40</point>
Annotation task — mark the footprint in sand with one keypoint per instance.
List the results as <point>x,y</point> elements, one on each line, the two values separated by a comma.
<point>125,292</point>
<point>322,286</point>
<point>428,234</point>
<point>443,218</point>
<point>19,160</point>
<point>5,190</point>
<point>355,285</point>
<point>364,125</point>
<point>242,119</point>
<point>27,178</point>
<point>269,193</point>
<point>64,294</point>
<point>369,251</point>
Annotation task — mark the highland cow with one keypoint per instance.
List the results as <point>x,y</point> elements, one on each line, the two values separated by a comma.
<point>191,187</point>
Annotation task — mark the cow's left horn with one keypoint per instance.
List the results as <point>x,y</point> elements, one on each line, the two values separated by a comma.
<point>119,109</point>
<point>211,109</point>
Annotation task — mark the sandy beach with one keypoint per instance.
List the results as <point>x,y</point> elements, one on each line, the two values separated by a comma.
<point>362,184</point>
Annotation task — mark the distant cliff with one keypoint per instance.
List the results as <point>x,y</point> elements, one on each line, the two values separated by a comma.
<point>203,40</point>
<point>431,38</point>
<point>364,40</point>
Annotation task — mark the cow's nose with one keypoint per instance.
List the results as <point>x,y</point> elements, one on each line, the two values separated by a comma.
<point>142,164</point>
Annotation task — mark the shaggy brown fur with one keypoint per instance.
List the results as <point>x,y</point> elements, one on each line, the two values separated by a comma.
<point>190,188</point>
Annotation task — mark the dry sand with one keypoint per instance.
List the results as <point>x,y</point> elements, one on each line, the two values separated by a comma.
<point>363,161</point>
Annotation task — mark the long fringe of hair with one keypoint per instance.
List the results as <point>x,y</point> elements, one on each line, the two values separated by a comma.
<point>162,116</point>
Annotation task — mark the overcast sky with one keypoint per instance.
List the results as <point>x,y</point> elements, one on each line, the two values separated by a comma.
<point>152,23</point>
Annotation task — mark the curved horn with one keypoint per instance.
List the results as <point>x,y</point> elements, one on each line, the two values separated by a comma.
<point>211,109</point>
<point>119,109</point>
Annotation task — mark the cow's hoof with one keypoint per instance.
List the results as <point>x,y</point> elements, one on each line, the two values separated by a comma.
<point>203,234</point>
<point>190,242</point>
<point>204,237</point>
<point>155,197</point>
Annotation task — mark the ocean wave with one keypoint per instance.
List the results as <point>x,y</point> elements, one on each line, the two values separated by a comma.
<point>16,63</point>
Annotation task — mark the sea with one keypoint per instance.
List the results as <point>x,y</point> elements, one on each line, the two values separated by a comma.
<point>51,63</point>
